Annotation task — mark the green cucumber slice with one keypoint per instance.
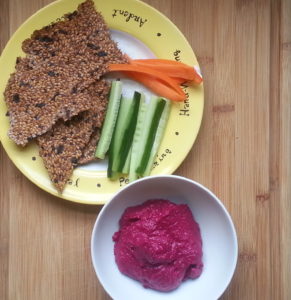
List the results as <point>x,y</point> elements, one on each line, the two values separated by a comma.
<point>110,173</point>
<point>123,135</point>
<point>110,119</point>
<point>125,169</point>
<point>159,136</point>
<point>116,138</point>
<point>137,139</point>
<point>128,133</point>
<point>155,110</point>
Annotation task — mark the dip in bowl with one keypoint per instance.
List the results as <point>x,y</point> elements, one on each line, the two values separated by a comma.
<point>219,241</point>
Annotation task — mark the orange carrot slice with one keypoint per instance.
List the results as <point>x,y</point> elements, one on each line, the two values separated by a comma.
<point>153,77</point>
<point>157,86</point>
<point>160,61</point>
<point>171,67</point>
<point>179,80</point>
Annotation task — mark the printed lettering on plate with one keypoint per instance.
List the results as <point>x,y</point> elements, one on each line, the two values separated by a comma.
<point>123,181</point>
<point>161,157</point>
<point>74,182</point>
<point>128,16</point>
<point>185,110</point>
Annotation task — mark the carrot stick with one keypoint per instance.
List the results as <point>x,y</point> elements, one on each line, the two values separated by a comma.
<point>157,86</point>
<point>160,61</point>
<point>179,80</point>
<point>171,67</point>
<point>154,76</point>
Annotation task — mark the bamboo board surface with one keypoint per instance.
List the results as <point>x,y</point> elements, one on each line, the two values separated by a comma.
<point>243,154</point>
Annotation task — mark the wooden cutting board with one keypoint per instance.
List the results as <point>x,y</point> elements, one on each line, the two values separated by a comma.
<point>243,154</point>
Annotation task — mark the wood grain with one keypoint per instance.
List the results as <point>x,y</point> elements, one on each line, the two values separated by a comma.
<point>243,154</point>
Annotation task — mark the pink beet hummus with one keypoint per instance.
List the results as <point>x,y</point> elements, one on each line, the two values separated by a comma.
<point>159,244</point>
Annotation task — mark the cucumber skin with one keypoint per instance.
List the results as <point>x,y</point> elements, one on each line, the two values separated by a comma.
<point>135,153</point>
<point>123,135</point>
<point>151,136</point>
<point>125,169</point>
<point>159,136</point>
<point>115,141</point>
<point>129,133</point>
<point>120,126</point>
<point>110,120</point>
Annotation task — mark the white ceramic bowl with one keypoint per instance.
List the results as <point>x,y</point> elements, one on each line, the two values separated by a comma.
<point>219,239</point>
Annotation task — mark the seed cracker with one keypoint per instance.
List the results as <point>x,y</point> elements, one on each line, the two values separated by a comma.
<point>67,143</point>
<point>62,61</point>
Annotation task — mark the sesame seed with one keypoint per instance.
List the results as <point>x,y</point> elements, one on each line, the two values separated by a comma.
<point>63,109</point>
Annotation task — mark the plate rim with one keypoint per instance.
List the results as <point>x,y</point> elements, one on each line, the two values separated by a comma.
<point>103,199</point>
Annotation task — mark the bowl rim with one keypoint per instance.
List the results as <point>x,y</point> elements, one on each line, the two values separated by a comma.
<point>177,177</point>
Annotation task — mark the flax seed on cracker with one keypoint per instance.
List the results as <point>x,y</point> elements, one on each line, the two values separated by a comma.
<point>62,60</point>
<point>67,143</point>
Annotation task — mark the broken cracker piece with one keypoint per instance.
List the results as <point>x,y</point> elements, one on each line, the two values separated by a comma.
<point>88,154</point>
<point>62,60</point>
<point>65,144</point>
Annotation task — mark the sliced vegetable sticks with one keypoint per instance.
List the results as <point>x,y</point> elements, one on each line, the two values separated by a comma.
<point>137,138</point>
<point>162,76</point>
<point>110,119</point>
<point>171,67</point>
<point>152,119</point>
<point>157,86</point>
<point>159,136</point>
<point>147,76</point>
<point>134,132</point>
<point>123,135</point>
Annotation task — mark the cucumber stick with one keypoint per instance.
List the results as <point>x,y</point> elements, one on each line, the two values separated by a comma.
<point>110,173</point>
<point>115,141</point>
<point>110,119</point>
<point>125,169</point>
<point>137,140</point>
<point>129,131</point>
<point>123,135</point>
<point>159,136</point>
<point>151,123</point>
<point>132,133</point>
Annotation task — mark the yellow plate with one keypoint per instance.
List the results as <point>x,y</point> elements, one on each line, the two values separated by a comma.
<point>164,39</point>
